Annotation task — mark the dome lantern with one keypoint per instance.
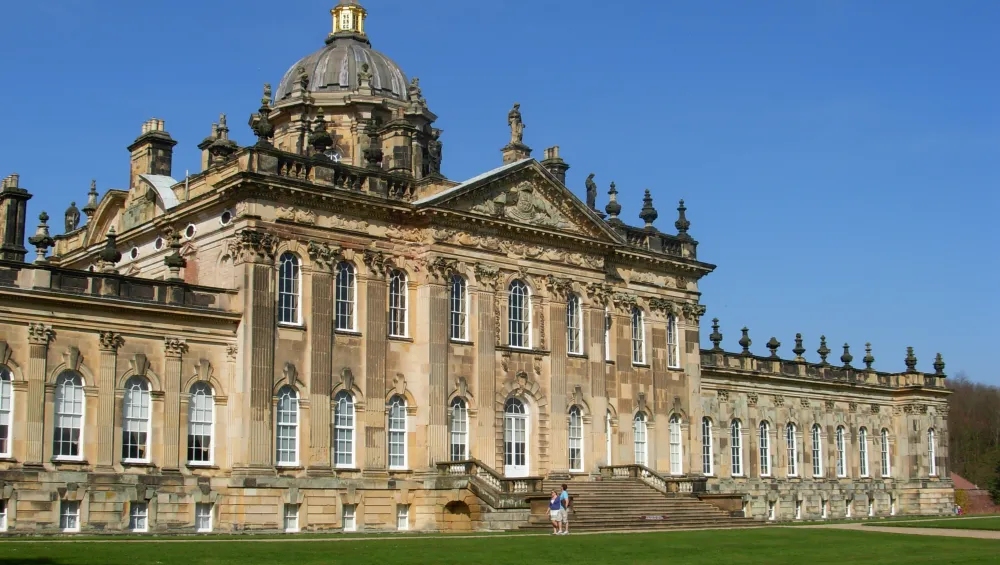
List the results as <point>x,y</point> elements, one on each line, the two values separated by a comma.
<point>348,18</point>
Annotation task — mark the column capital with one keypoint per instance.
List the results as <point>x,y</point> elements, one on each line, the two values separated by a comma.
<point>40,334</point>
<point>377,263</point>
<point>111,340</point>
<point>324,256</point>
<point>252,246</point>
<point>231,351</point>
<point>487,276</point>
<point>441,269</point>
<point>175,346</point>
<point>558,287</point>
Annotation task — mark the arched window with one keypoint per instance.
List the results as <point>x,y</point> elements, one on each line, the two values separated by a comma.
<point>575,440</point>
<point>676,453</point>
<point>459,430</point>
<point>68,435</point>
<point>639,431</point>
<point>346,297</point>
<point>673,351</point>
<point>931,453</point>
<point>397,304</point>
<point>6,408</point>
<point>343,430</point>
<point>765,449</point>
<point>736,447</point>
<point>459,309</point>
<point>397,433</point>
<point>519,315</point>
<point>886,466</point>
<point>289,289</point>
<point>841,460</point>
<point>792,448</point>
<point>863,451</point>
<point>638,337</point>
<point>201,420</point>
<point>817,452</point>
<point>288,427</point>
<point>574,325</point>
<point>706,447</point>
<point>607,335</point>
<point>135,425</point>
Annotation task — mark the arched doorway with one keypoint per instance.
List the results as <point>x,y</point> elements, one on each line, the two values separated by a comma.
<point>515,438</point>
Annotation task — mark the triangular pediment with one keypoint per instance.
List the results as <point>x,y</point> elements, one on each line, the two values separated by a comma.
<point>523,193</point>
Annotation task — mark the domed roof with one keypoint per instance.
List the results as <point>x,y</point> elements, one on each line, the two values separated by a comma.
<point>335,69</point>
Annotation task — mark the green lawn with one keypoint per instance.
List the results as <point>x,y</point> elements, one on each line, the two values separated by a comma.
<point>956,524</point>
<point>770,546</point>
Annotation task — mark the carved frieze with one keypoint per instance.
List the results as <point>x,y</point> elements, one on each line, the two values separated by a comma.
<point>252,246</point>
<point>297,215</point>
<point>600,293</point>
<point>441,269</point>
<point>625,301</point>
<point>517,249</point>
<point>662,305</point>
<point>523,203</point>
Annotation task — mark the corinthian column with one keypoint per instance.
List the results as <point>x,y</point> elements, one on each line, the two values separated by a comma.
<point>377,333</point>
<point>488,317</point>
<point>439,273</point>
<point>109,344</point>
<point>39,337</point>
<point>324,258</point>
<point>559,290</point>
<point>173,350</point>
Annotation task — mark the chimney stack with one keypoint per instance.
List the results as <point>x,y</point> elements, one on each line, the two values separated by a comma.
<point>554,163</point>
<point>152,152</point>
<point>13,211</point>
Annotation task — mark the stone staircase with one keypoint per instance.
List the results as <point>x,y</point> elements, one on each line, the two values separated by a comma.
<point>631,504</point>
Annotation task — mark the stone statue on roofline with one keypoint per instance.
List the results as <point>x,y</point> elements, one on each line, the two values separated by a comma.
<point>516,125</point>
<point>591,192</point>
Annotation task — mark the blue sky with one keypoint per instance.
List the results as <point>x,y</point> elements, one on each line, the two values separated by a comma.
<point>840,159</point>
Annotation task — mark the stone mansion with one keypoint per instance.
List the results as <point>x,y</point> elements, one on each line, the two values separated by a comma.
<point>320,332</point>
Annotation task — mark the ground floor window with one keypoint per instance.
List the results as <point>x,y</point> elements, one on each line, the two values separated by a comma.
<point>3,515</point>
<point>871,507</point>
<point>824,509</point>
<point>291,518</point>
<point>349,521</point>
<point>403,517</point>
<point>892,506</point>
<point>798,509</point>
<point>138,517</point>
<point>771,510</point>
<point>847,509</point>
<point>69,516</point>
<point>203,517</point>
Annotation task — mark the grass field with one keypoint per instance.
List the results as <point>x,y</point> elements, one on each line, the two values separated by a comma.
<point>770,546</point>
<point>958,524</point>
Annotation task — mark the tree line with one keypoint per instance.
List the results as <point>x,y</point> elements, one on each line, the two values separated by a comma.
<point>974,433</point>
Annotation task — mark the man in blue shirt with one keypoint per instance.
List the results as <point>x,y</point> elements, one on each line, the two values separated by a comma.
<point>564,512</point>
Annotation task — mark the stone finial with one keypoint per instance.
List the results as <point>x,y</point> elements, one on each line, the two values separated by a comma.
<point>798,350</point>
<point>745,341</point>
<point>110,255</point>
<point>259,122</point>
<point>320,138</point>
<point>773,344</point>
<point>72,217</point>
<point>823,351</point>
<point>682,224</point>
<point>648,214</point>
<point>91,207</point>
<point>846,358</point>
<point>715,337</point>
<point>42,240</point>
<point>174,261</point>
<point>939,365</point>
<point>869,359</point>
<point>222,148</point>
<point>911,361</point>
<point>613,208</point>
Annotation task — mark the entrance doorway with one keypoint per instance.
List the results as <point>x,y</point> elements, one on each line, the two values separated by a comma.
<point>515,438</point>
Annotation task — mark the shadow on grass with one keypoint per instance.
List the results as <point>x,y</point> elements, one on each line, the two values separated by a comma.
<point>30,561</point>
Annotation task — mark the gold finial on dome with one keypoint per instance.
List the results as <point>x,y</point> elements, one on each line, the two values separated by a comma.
<point>348,18</point>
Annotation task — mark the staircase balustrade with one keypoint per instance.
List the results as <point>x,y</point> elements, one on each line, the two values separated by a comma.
<point>495,489</point>
<point>666,485</point>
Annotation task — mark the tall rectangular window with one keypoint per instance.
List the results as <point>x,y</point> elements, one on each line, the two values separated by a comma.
<point>706,447</point>
<point>638,337</point>
<point>574,325</point>
<point>348,519</point>
<point>135,425</point>
<point>397,304</point>
<point>201,405</point>
<point>931,453</point>
<point>69,516</point>
<point>519,315</point>
<point>607,335</point>
<point>459,430</point>
<point>397,433</point>
<point>343,428</point>
<point>289,288</point>
<point>402,517</point>
<point>575,439</point>
<point>346,290</point>
<point>841,456</point>
<point>886,467</point>
<point>291,518</point>
<point>3,515</point>
<point>792,448</point>
<point>6,406</point>
<point>673,350</point>
<point>817,452</point>
<point>459,309</point>
<point>639,433</point>
<point>676,464</point>
<point>765,449</point>
<point>863,451</point>
<point>203,517</point>
<point>138,517</point>
<point>736,448</point>
<point>288,427</point>
<point>69,410</point>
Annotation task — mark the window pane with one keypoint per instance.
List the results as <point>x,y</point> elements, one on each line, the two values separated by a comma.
<point>736,448</point>
<point>638,337</point>
<point>706,446</point>
<point>343,425</point>
<point>793,450</point>
<point>817,452</point>
<point>288,427</point>
<point>138,518</point>
<point>459,313</point>
<point>397,433</point>
<point>397,304</point>
<point>200,410</point>
<point>574,325</point>
<point>203,517</point>
<point>673,352</point>
<point>676,466</point>
<point>765,449</point>
<point>519,315</point>
<point>345,297</point>
<point>575,439</point>
<point>68,427</point>
<point>459,430</point>
<point>288,289</point>
<point>639,432</point>
<point>135,426</point>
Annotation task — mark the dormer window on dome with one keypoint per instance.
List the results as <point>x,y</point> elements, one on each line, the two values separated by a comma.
<point>349,17</point>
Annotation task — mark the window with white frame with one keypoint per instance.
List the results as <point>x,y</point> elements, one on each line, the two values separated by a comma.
<point>574,325</point>
<point>69,516</point>
<point>798,509</point>
<point>348,518</point>
<point>69,409</point>
<point>764,448</point>
<point>289,289</point>
<point>397,433</point>
<point>135,423</point>
<point>673,349</point>
<point>841,459</point>
<point>863,451</point>
<point>343,430</point>
<point>291,518</point>
<point>575,439</point>
<point>459,430</point>
<point>346,293</point>
<point>6,408</point>
<point>706,447</point>
<point>824,509</point>
<point>402,517</point>
<point>203,517</point>
<point>138,517</point>
<point>287,452</point>
<point>736,447</point>
<point>676,452</point>
<point>817,451</point>
<point>3,515</point>
<point>771,510</point>
<point>607,335</point>
<point>639,439</point>
<point>792,448</point>
<point>459,309</point>
<point>519,315</point>
<point>638,337</point>
<point>871,508</point>
<point>397,303</point>
<point>847,508</point>
<point>931,453</point>
<point>886,465</point>
<point>201,410</point>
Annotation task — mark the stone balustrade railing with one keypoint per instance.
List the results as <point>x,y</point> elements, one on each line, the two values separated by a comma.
<point>491,486</point>
<point>666,485</point>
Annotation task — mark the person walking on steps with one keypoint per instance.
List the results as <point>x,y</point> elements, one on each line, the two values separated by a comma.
<point>555,512</point>
<point>565,501</point>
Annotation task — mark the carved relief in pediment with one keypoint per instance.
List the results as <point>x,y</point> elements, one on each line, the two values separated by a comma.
<point>524,202</point>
